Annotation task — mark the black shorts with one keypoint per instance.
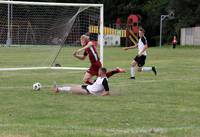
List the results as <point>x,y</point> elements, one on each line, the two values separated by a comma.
<point>85,88</point>
<point>140,60</point>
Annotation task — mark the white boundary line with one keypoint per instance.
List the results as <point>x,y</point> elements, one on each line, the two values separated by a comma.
<point>42,68</point>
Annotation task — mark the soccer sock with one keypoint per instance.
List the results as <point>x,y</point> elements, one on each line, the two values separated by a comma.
<point>146,69</point>
<point>64,89</point>
<point>110,73</point>
<point>132,71</point>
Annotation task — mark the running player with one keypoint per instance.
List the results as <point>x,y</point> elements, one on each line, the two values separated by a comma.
<point>89,48</point>
<point>139,60</point>
<point>99,87</point>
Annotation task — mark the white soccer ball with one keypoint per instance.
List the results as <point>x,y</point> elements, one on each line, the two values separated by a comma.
<point>37,86</point>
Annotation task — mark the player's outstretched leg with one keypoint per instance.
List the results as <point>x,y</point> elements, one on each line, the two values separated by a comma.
<point>77,89</point>
<point>115,71</point>
<point>148,69</point>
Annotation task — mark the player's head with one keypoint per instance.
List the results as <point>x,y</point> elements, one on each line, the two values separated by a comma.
<point>174,36</point>
<point>141,32</point>
<point>84,40</point>
<point>102,71</point>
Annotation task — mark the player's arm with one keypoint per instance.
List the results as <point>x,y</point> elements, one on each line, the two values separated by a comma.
<point>80,57</point>
<point>106,88</point>
<point>85,47</point>
<point>131,47</point>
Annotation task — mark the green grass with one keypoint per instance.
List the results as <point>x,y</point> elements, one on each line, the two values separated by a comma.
<point>167,105</point>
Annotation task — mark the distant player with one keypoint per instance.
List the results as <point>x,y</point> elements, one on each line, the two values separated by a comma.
<point>139,60</point>
<point>89,48</point>
<point>99,87</point>
<point>174,42</point>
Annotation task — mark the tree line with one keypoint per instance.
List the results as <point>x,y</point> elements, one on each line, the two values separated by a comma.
<point>187,14</point>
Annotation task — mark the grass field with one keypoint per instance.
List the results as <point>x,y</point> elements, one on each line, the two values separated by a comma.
<point>167,105</point>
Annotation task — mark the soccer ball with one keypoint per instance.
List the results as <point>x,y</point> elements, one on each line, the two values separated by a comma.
<point>37,86</point>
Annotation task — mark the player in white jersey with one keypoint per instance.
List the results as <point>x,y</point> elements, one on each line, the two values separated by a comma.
<point>99,87</point>
<point>139,60</point>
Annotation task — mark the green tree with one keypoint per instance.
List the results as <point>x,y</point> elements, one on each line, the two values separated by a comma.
<point>187,14</point>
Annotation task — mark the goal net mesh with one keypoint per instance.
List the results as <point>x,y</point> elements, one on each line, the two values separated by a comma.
<point>38,32</point>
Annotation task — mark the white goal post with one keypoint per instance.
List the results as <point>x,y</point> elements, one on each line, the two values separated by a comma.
<point>12,34</point>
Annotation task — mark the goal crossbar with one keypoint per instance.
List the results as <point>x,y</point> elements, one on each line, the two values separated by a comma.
<point>51,4</point>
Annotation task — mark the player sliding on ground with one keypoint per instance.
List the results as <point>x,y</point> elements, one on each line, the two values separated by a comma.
<point>89,48</point>
<point>139,60</point>
<point>99,87</point>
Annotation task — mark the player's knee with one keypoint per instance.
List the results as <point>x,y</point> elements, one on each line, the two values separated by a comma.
<point>85,80</point>
<point>140,69</point>
<point>133,64</point>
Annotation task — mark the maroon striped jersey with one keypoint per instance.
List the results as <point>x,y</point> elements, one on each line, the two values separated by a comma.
<point>92,52</point>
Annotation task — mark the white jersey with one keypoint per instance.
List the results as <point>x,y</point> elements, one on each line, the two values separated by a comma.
<point>98,86</point>
<point>141,43</point>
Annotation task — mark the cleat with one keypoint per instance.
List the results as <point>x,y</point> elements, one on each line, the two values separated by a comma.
<point>55,87</point>
<point>154,70</point>
<point>133,78</point>
<point>55,90</point>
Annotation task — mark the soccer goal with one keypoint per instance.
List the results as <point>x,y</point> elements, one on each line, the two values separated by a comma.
<point>38,35</point>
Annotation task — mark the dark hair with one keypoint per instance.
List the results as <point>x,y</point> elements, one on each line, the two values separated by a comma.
<point>104,70</point>
<point>141,29</point>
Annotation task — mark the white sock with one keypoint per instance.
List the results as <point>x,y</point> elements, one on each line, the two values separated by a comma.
<point>146,69</point>
<point>132,71</point>
<point>64,89</point>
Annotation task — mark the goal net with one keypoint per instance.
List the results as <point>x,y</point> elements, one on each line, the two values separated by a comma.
<point>41,34</point>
